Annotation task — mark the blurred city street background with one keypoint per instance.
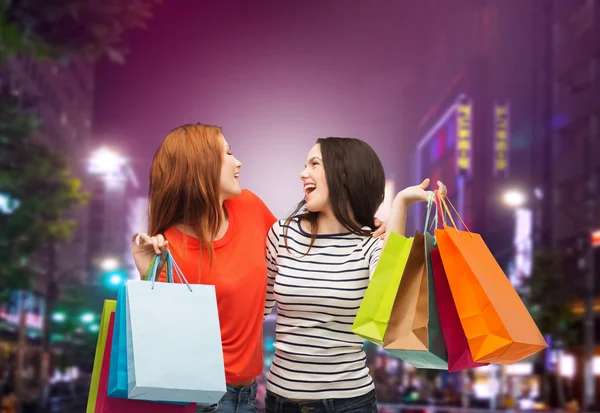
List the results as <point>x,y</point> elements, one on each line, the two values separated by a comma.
<point>499,99</point>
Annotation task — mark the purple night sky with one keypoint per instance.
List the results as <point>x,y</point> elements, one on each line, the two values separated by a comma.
<point>276,76</point>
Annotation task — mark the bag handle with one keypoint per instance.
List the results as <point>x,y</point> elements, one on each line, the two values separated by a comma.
<point>154,267</point>
<point>154,264</point>
<point>439,209</point>
<point>171,264</point>
<point>178,271</point>
<point>440,199</point>
<point>434,221</point>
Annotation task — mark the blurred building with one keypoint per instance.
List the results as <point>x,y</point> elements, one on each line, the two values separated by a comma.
<point>476,134</point>
<point>475,129</point>
<point>62,97</point>
<point>570,75</point>
<point>568,169</point>
<point>514,103</point>
<point>114,209</point>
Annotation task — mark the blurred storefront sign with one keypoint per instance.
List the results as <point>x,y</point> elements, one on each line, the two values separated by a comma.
<point>33,305</point>
<point>464,115</point>
<point>501,138</point>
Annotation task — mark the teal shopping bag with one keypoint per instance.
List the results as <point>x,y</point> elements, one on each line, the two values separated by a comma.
<point>414,332</point>
<point>117,376</point>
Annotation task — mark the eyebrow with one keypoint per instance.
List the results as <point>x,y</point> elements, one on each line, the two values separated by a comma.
<point>312,159</point>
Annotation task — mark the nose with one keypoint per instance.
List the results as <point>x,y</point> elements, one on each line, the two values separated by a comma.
<point>238,164</point>
<point>304,174</point>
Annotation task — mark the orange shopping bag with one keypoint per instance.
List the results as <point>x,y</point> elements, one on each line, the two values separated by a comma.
<point>498,326</point>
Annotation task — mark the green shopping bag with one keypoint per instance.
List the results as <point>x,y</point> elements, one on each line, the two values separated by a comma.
<point>374,313</point>
<point>414,332</point>
<point>110,307</point>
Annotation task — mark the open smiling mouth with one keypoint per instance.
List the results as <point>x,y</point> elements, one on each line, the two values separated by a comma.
<point>309,188</point>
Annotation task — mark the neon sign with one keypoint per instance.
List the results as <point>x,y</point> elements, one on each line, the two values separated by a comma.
<point>464,131</point>
<point>501,138</point>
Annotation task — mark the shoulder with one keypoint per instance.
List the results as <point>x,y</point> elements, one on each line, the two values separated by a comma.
<point>249,206</point>
<point>287,227</point>
<point>277,227</point>
<point>248,199</point>
<point>245,198</point>
<point>248,202</point>
<point>250,196</point>
<point>371,245</point>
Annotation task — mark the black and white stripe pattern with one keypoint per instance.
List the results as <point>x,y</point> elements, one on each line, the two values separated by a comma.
<point>318,296</point>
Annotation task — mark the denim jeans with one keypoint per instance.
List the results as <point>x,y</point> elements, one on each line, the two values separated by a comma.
<point>361,404</point>
<point>236,400</point>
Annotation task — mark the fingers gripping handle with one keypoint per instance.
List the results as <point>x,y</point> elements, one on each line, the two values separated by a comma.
<point>171,265</point>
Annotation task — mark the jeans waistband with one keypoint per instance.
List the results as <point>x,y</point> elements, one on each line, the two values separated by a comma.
<point>240,386</point>
<point>330,405</point>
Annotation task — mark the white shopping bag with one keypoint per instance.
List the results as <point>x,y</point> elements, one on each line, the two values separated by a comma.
<point>174,350</point>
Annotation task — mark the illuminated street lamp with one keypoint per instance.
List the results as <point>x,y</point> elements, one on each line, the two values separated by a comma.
<point>59,317</point>
<point>106,162</point>
<point>109,264</point>
<point>87,318</point>
<point>514,198</point>
<point>116,279</point>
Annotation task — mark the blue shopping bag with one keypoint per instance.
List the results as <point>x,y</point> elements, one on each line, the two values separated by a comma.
<point>117,376</point>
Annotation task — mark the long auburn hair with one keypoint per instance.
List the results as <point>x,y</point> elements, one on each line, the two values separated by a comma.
<point>185,182</point>
<point>356,183</point>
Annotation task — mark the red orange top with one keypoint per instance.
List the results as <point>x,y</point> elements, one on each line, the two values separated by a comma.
<point>239,274</point>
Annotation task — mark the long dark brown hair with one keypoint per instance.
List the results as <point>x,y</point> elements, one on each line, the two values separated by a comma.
<point>356,182</point>
<point>185,182</point>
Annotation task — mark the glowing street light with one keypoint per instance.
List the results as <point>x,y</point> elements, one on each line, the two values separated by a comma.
<point>8,205</point>
<point>514,198</point>
<point>87,318</point>
<point>59,317</point>
<point>116,279</point>
<point>94,328</point>
<point>109,264</point>
<point>106,162</point>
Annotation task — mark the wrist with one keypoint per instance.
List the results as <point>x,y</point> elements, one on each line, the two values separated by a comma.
<point>400,201</point>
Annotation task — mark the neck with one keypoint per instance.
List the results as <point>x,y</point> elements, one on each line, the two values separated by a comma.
<point>328,224</point>
<point>186,229</point>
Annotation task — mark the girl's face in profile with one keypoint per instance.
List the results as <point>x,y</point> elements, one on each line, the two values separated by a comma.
<point>230,173</point>
<point>316,192</point>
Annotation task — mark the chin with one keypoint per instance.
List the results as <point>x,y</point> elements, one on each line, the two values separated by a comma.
<point>310,207</point>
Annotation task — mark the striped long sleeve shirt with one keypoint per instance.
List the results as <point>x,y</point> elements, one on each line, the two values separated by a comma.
<point>318,295</point>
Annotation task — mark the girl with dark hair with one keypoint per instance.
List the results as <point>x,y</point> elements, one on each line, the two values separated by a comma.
<point>319,262</point>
